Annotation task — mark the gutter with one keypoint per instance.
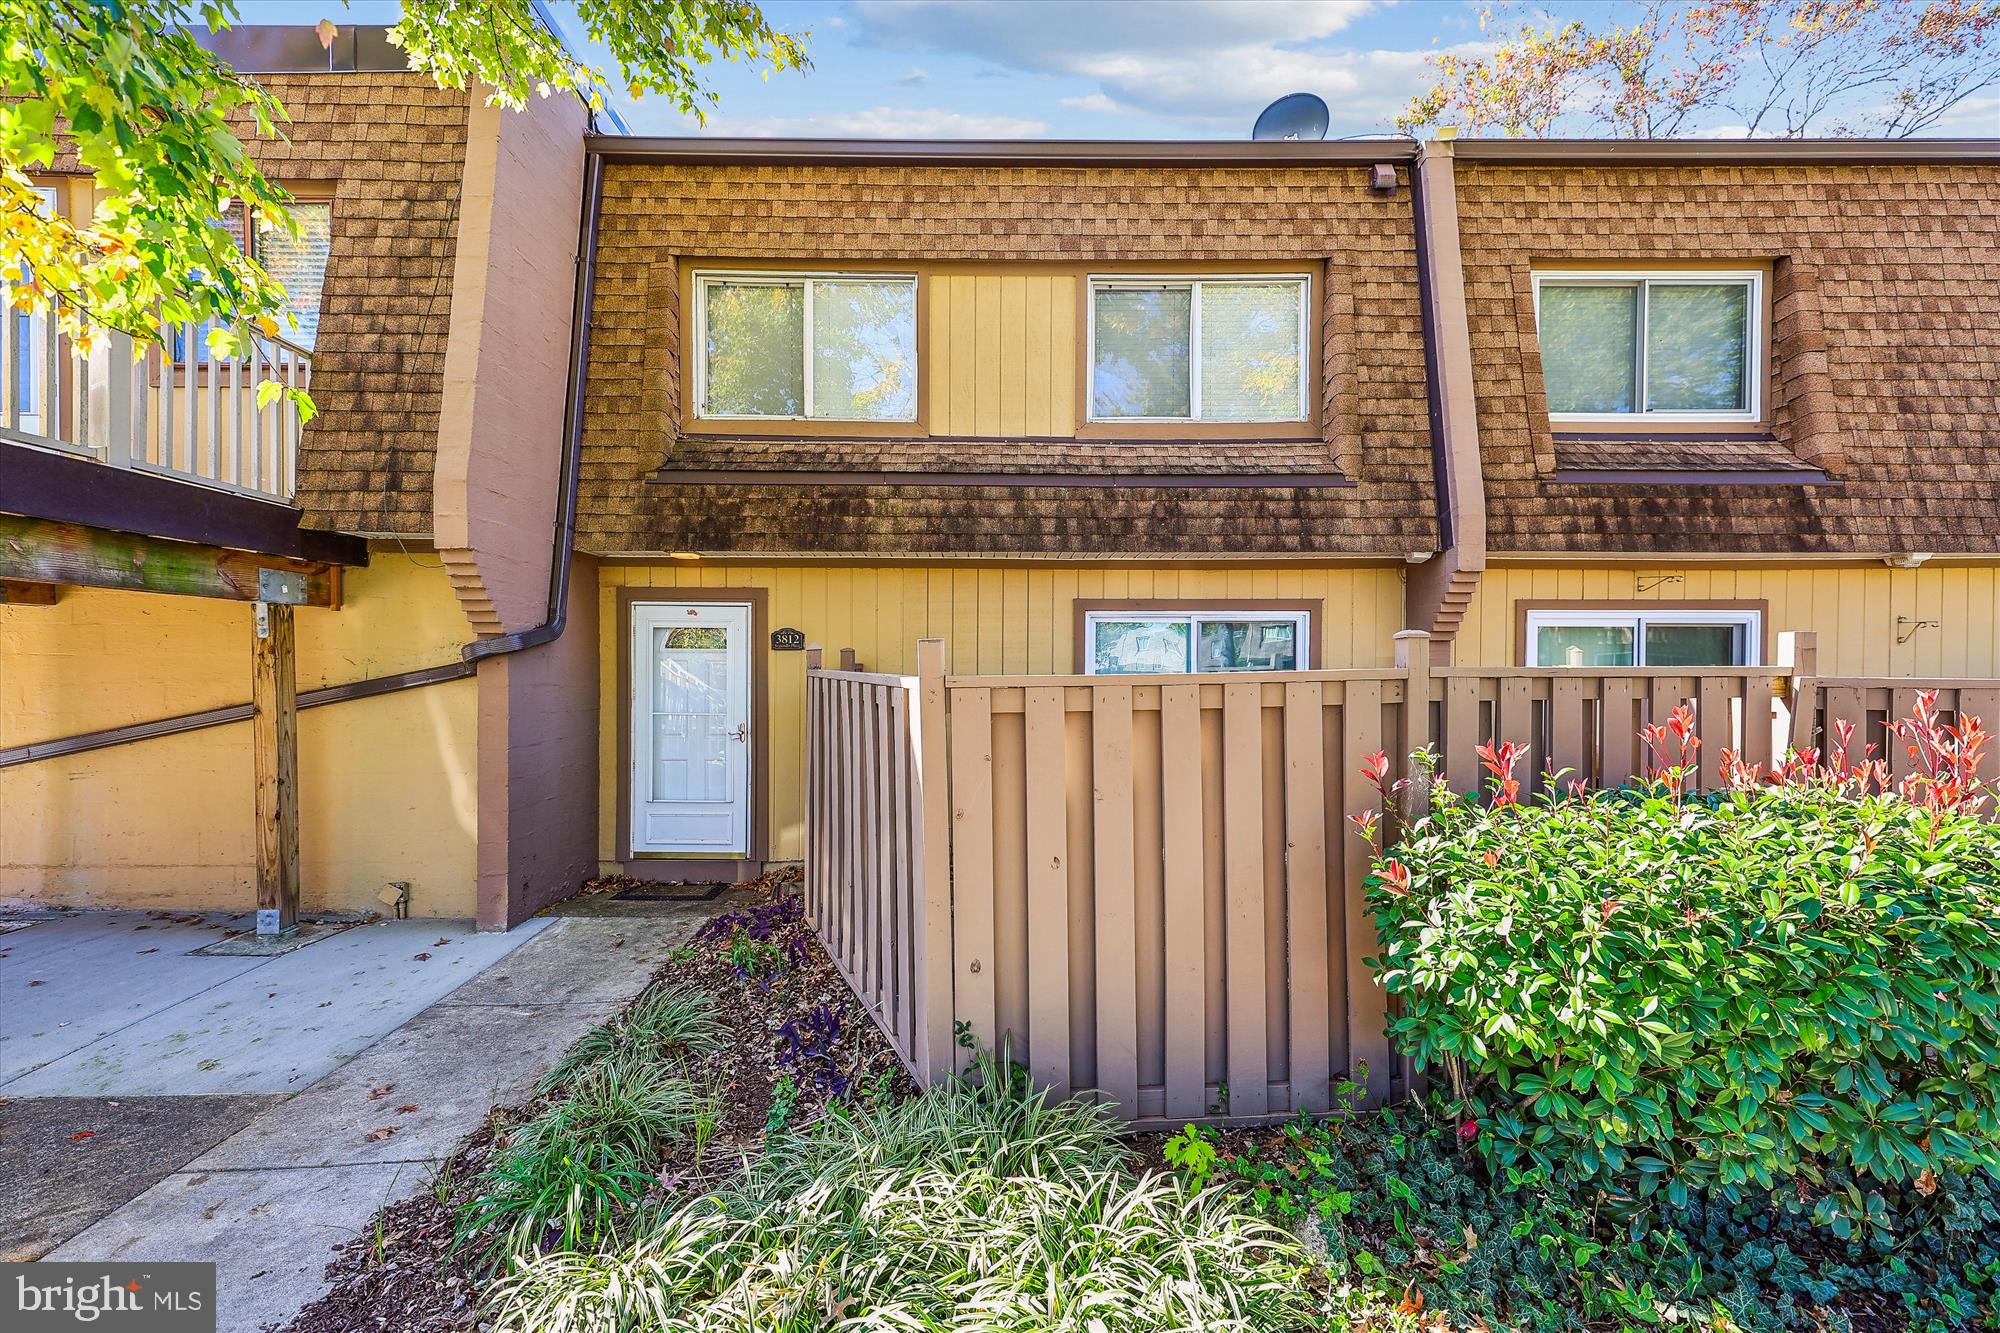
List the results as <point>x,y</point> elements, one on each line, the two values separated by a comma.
<point>471,655</point>
<point>622,150</point>
<point>1711,152</point>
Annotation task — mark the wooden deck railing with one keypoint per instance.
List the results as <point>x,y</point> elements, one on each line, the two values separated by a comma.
<point>1148,886</point>
<point>196,419</point>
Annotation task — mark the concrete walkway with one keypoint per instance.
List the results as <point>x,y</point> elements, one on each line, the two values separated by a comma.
<point>217,1164</point>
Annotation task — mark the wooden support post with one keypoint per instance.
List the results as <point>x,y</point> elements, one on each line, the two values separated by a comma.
<point>1413,657</point>
<point>274,739</point>
<point>812,657</point>
<point>848,661</point>
<point>1798,653</point>
<point>934,1036</point>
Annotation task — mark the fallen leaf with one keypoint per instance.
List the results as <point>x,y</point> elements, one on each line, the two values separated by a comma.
<point>36,982</point>
<point>423,958</point>
<point>377,1094</point>
<point>1471,1238</point>
<point>377,1135</point>
<point>324,1003</point>
<point>406,1108</point>
<point>154,949</point>
<point>618,944</point>
<point>82,1134</point>
<point>209,1064</point>
<point>441,942</point>
<point>1927,1182</point>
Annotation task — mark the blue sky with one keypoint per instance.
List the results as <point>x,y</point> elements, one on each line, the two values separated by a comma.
<point>1092,69</point>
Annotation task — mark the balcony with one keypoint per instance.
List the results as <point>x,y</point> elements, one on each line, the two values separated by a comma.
<point>193,419</point>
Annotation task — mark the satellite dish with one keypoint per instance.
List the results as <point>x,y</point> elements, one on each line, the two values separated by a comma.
<point>1293,116</point>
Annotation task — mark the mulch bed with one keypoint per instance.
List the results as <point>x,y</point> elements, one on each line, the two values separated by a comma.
<point>798,1029</point>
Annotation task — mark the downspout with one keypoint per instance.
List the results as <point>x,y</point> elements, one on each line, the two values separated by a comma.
<point>1441,588</point>
<point>471,654</point>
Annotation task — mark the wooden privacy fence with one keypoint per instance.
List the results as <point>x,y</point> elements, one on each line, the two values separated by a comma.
<point>1149,887</point>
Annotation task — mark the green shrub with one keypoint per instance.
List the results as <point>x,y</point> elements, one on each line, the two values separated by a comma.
<point>567,1178</point>
<point>1659,992</point>
<point>967,1206</point>
<point>1412,1218</point>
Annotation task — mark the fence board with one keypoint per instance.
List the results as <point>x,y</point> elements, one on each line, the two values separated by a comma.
<point>1117,932</point>
<point>1243,888</point>
<point>972,860</point>
<point>1306,896</point>
<point>1048,892</point>
<point>1367,1005</point>
<point>1186,966</point>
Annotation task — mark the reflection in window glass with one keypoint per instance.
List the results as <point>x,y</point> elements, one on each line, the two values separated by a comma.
<point>1639,637</point>
<point>754,365</point>
<point>1195,641</point>
<point>1251,361</point>
<point>1585,646</point>
<point>1142,358</point>
<point>1139,647</point>
<point>1696,336</point>
<point>1203,349</point>
<point>865,350</point>
<point>1247,645</point>
<point>690,707</point>
<point>1648,344</point>
<point>1692,645</point>
<point>1589,341</point>
<point>299,266</point>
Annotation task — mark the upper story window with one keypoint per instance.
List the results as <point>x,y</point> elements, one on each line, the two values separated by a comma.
<point>1223,349</point>
<point>1644,637</point>
<point>1678,346</point>
<point>298,264</point>
<point>807,347</point>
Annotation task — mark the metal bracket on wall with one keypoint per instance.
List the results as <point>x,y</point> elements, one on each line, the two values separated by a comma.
<point>1905,635</point>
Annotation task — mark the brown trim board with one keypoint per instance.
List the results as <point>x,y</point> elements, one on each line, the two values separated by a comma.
<point>760,712</point>
<point>39,483</point>
<point>1523,605</point>
<point>1273,481</point>
<point>1081,607</point>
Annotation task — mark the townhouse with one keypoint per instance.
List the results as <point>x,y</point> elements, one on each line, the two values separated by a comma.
<point>612,430</point>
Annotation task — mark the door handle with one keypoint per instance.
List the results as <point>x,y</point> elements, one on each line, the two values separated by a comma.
<point>742,732</point>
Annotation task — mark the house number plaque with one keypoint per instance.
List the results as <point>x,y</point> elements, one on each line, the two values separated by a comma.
<point>788,640</point>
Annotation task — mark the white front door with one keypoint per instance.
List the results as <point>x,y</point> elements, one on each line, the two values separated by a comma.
<point>691,740</point>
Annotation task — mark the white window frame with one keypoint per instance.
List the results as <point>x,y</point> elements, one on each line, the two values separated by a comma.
<point>706,279</point>
<point>1128,281</point>
<point>1301,633</point>
<point>1755,369</point>
<point>1749,627</point>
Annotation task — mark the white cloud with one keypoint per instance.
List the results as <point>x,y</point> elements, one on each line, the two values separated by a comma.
<point>917,77</point>
<point>1094,102</point>
<point>1209,63</point>
<point>880,122</point>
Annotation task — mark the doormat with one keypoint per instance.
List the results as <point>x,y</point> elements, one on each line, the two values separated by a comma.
<point>250,944</point>
<point>669,893</point>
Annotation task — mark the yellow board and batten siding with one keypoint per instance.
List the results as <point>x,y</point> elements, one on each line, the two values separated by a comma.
<point>995,619</point>
<point>1002,354</point>
<point>387,785</point>
<point>1947,615</point>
